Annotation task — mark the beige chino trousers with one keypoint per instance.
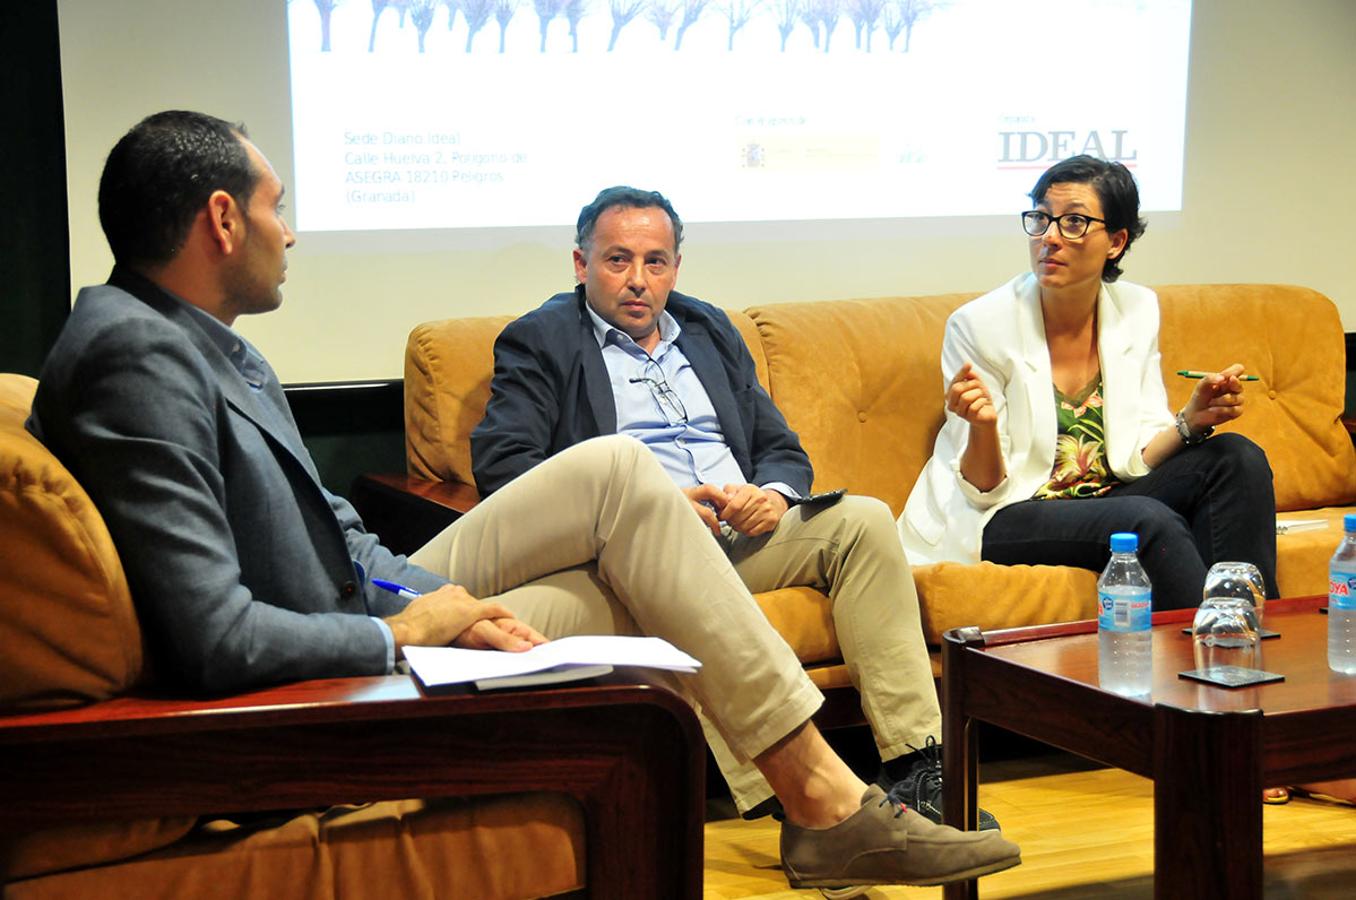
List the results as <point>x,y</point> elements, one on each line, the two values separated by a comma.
<point>596,540</point>
<point>850,551</point>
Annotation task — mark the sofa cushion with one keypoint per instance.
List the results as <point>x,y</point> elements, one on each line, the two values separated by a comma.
<point>448,366</point>
<point>1291,338</point>
<point>519,846</point>
<point>860,382</point>
<point>67,623</point>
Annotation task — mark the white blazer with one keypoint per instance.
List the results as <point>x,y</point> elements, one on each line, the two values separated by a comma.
<point>1003,334</point>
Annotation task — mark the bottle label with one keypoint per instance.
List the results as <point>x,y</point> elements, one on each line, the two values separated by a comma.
<point>1342,590</point>
<point>1123,612</point>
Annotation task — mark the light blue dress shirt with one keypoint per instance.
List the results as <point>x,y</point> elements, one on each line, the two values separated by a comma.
<point>692,453</point>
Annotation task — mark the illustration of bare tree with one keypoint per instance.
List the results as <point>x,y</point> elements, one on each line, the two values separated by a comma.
<point>574,10</point>
<point>692,11</point>
<point>865,17</point>
<point>477,13</point>
<point>451,13</point>
<point>546,11</point>
<point>809,14</point>
<point>892,21</point>
<point>503,14</point>
<point>325,8</point>
<point>738,13</point>
<point>421,13</point>
<point>379,6</point>
<point>910,11</point>
<point>827,12</point>
<point>787,13</point>
<point>662,14</point>
<point>623,11</point>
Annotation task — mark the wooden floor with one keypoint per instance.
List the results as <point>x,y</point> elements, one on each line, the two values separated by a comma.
<point>1083,833</point>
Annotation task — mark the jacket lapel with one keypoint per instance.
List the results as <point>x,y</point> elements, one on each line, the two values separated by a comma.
<point>238,395</point>
<point>597,385</point>
<point>1035,359</point>
<point>695,342</point>
<point>1120,378</point>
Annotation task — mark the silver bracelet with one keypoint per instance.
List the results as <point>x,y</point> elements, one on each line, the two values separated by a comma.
<point>1185,433</point>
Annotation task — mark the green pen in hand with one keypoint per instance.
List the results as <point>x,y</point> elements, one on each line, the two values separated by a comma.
<point>1188,373</point>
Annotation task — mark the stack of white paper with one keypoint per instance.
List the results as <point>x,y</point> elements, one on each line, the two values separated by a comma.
<point>580,656</point>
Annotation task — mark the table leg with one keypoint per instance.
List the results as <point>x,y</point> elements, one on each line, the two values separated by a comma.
<point>960,750</point>
<point>1207,804</point>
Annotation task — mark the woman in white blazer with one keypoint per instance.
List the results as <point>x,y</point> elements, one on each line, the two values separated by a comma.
<point>1058,430</point>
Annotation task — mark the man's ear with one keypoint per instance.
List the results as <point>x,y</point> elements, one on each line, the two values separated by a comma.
<point>225,222</point>
<point>581,266</point>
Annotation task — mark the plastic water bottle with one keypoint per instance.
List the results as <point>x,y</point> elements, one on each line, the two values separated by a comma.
<point>1124,632</point>
<point>1342,602</point>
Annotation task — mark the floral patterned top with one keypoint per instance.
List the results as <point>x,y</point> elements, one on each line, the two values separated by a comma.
<point>1080,468</point>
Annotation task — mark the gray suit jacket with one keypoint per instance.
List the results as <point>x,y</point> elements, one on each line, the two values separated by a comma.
<point>244,570</point>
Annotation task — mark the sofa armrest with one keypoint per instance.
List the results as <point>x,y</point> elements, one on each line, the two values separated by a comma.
<point>632,756</point>
<point>406,511</point>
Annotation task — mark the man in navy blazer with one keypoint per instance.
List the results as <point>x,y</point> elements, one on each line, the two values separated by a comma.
<point>625,353</point>
<point>244,570</point>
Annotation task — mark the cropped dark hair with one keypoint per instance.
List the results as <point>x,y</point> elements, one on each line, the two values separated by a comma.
<point>160,175</point>
<point>1115,187</point>
<point>628,198</point>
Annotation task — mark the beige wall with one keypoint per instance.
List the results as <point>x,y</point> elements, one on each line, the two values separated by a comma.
<point>1269,191</point>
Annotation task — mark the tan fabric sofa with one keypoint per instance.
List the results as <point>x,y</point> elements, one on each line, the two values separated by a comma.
<point>859,380</point>
<point>108,782</point>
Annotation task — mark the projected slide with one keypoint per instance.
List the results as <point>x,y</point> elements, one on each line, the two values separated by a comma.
<point>479,113</point>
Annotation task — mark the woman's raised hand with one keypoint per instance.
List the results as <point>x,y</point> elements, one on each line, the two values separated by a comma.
<point>968,397</point>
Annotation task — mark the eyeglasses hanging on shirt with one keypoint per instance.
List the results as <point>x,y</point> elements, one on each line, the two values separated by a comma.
<point>667,398</point>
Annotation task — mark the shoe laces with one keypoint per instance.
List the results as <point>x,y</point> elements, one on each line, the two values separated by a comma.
<point>927,772</point>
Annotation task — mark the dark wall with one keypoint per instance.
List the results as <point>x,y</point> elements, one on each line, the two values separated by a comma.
<point>35,249</point>
<point>349,431</point>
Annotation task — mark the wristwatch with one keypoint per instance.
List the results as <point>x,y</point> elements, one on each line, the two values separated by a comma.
<point>1185,433</point>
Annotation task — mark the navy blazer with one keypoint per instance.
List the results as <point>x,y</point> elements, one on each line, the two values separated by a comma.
<point>241,564</point>
<point>551,391</point>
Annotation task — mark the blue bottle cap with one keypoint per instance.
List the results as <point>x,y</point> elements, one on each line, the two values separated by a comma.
<point>1349,523</point>
<point>1128,541</point>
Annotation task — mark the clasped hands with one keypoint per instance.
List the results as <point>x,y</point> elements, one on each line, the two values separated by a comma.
<point>746,508</point>
<point>451,616</point>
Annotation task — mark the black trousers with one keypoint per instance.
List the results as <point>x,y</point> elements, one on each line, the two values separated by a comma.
<point>1210,503</point>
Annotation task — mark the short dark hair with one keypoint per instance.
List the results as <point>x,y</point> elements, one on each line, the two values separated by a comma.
<point>160,174</point>
<point>629,198</point>
<point>1115,187</point>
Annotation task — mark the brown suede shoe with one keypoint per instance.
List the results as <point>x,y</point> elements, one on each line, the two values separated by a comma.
<point>886,844</point>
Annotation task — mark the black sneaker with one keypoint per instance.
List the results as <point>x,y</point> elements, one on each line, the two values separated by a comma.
<point>921,787</point>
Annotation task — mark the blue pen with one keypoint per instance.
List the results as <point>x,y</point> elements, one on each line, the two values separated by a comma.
<point>398,589</point>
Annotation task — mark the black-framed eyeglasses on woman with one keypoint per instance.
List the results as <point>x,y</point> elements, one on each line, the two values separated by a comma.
<point>669,402</point>
<point>1071,225</point>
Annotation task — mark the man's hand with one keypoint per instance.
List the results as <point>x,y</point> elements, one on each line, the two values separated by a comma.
<point>450,615</point>
<point>499,634</point>
<point>703,497</point>
<point>751,510</point>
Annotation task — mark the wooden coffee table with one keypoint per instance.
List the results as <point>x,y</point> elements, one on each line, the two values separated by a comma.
<point>1209,750</point>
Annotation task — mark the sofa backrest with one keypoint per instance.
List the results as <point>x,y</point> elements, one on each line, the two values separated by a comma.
<point>448,366</point>
<point>859,381</point>
<point>1292,339</point>
<point>67,625</point>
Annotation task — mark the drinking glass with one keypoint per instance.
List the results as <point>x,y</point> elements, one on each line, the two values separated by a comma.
<point>1240,581</point>
<point>1224,635</point>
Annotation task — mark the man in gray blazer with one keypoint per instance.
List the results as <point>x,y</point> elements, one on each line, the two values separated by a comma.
<point>245,571</point>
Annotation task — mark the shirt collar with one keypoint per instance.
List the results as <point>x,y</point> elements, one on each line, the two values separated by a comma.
<point>603,331</point>
<point>241,353</point>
